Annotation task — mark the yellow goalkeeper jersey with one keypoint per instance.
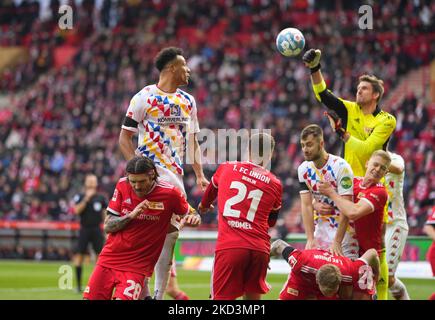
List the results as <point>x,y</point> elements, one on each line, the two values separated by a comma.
<point>369,132</point>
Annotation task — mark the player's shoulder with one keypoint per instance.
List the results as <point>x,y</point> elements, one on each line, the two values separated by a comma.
<point>304,165</point>
<point>232,164</point>
<point>186,95</point>
<point>379,190</point>
<point>140,98</point>
<point>387,115</point>
<point>357,181</point>
<point>351,106</point>
<point>387,118</point>
<point>380,186</point>
<point>123,181</point>
<point>337,161</point>
<point>123,185</point>
<point>382,190</point>
<point>229,163</point>
<point>146,91</point>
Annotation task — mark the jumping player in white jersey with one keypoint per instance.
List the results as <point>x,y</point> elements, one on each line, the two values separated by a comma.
<point>397,226</point>
<point>324,226</point>
<point>165,119</point>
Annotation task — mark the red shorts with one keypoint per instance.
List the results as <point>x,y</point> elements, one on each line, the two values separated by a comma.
<point>237,272</point>
<point>127,285</point>
<point>298,288</point>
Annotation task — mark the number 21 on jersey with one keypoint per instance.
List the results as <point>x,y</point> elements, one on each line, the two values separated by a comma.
<point>255,195</point>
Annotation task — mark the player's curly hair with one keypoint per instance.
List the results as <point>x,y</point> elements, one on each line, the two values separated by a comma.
<point>140,164</point>
<point>165,56</point>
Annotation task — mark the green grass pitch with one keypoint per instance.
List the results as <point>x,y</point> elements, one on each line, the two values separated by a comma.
<point>23,280</point>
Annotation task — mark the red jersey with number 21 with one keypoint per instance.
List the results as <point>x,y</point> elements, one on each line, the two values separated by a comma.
<point>247,193</point>
<point>137,247</point>
<point>368,229</point>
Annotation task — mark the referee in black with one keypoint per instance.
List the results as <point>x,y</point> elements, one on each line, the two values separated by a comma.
<point>90,206</point>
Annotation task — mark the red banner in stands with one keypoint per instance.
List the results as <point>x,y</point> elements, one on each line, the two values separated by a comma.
<point>63,55</point>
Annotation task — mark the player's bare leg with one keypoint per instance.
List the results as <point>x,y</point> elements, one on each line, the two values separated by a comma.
<point>174,291</point>
<point>163,266</point>
<point>397,288</point>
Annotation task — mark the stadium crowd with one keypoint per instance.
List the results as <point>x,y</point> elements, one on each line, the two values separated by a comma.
<point>64,122</point>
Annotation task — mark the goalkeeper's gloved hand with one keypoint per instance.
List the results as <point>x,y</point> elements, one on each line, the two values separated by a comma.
<point>335,122</point>
<point>311,59</point>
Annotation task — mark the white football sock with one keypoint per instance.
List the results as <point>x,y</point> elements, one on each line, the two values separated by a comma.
<point>398,290</point>
<point>163,266</point>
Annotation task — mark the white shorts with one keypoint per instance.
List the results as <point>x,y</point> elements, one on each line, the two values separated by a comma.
<point>395,239</point>
<point>324,233</point>
<point>172,178</point>
<point>177,181</point>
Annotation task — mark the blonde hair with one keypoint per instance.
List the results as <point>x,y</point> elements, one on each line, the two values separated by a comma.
<point>383,154</point>
<point>377,84</point>
<point>328,278</point>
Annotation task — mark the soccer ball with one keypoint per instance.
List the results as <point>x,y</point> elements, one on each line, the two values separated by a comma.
<point>290,42</point>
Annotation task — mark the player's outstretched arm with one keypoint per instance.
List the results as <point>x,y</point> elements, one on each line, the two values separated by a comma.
<point>372,258</point>
<point>308,219</point>
<point>353,211</point>
<point>311,59</point>
<point>201,180</point>
<point>126,144</point>
<point>114,224</point>
<point>336,247</point>
<point>396,167</point>
<point>209,196</point>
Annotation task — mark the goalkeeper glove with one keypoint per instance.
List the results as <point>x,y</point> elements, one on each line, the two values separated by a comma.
<point>335,122</point>
<point>311,59</point>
